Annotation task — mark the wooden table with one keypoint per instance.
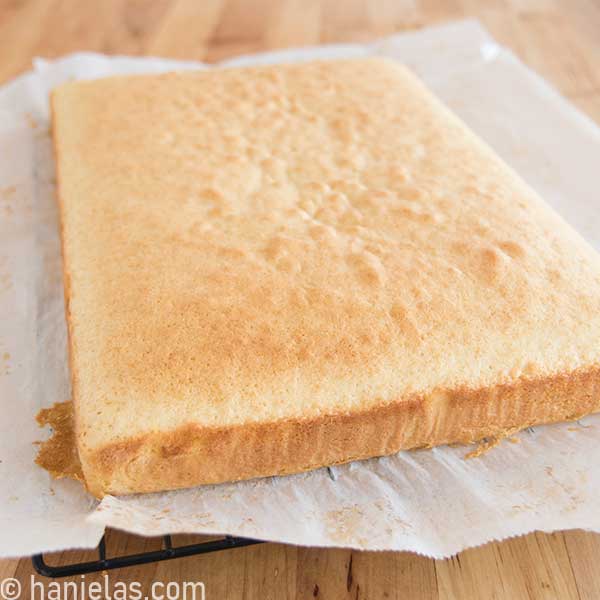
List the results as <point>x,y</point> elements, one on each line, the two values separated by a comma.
<point>558,38</point>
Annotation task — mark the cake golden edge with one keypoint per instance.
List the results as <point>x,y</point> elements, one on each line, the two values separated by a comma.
<point>66,290</point>
<point>192,455</point>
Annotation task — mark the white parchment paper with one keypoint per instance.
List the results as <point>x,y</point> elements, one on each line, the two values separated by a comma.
<point>430,501</point>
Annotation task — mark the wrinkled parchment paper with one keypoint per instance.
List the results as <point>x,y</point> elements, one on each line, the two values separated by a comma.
<point>431,501</point>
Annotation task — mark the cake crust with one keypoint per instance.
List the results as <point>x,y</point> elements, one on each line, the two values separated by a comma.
<point>192,454</point>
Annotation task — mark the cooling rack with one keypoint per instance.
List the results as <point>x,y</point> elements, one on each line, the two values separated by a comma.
<point>167,552</point>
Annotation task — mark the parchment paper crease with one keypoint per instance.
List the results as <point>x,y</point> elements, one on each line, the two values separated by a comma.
<point>432,501</point>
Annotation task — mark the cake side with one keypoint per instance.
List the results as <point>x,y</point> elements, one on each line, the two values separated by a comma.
<point>67,294</point>
<point>193,455</point>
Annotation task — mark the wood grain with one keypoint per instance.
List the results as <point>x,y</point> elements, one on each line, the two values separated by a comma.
<point>558,38</point>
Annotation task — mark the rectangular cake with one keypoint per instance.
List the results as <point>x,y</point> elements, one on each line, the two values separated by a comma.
<point>272,269</point>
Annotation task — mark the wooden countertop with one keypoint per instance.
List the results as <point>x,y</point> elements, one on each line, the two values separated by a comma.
<point>558,38</point>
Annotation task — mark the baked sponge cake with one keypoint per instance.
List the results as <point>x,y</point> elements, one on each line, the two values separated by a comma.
<point>272,269</point>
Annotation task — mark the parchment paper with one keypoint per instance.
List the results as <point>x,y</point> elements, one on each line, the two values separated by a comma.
<point>430,501</point>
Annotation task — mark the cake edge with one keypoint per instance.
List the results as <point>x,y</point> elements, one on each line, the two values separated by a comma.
<point>192,455</point>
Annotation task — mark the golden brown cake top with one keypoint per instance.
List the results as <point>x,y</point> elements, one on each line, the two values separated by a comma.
<point>284,242</point>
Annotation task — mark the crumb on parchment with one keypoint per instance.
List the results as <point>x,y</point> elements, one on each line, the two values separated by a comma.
<point>58,455</point>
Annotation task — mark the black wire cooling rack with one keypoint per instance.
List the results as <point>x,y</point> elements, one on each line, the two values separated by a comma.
<point>167,552</point>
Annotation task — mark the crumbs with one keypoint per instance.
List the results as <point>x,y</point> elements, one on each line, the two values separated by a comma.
<point>483,447</point>
<point>8,192</point>
<point>5,276</point>
<point>31,121</point>
<point>579,426</point>
<point>58,455</point>
<point>491,442</point>
<point>5,364</point>
<point>345,524</point>
<point>7,195</point>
